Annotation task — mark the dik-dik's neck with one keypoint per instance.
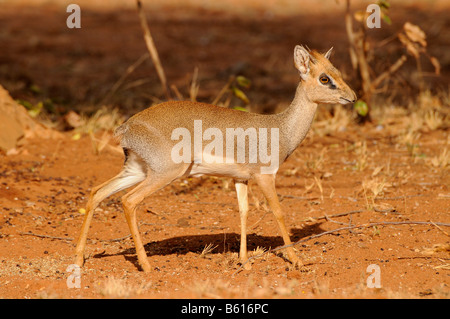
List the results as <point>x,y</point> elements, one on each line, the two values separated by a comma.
<point>296,120</point>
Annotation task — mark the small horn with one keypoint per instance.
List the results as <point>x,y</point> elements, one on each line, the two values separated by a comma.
<point>328,54</point>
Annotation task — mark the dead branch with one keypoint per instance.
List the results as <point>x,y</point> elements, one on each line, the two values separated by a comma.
<point>184,226</point>
<point>392,69</point>
<point>120,81</point>
<point>46,236</point>
<point>357,52</point>
<point>351,36</point>
<point>297,197</point>
<point>443,231</point>
<point>313,219</point>
<point>152,49</point>
<point>117,239</point>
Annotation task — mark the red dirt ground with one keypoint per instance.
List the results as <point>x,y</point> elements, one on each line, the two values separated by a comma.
<point>43,188</point>
<point>46,182</point>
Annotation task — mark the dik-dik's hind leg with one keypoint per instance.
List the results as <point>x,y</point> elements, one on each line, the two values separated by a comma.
<point>129,176</point>
<point>131,200</point>
<point>242,195</point>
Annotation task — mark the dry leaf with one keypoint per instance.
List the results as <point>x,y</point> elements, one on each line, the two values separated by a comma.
<point>445,266</point>
<point>415,33</point>
<point>73,119</point>
<point>359,16</point>
<point>377,170</point>
<point>437,248</point>
<point>411,47</point>
<point>436,64</point>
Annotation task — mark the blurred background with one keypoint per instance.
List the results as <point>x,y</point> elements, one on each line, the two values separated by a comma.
<point>203,45</point>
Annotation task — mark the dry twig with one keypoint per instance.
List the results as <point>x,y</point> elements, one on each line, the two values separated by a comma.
<point>332,216</point>
<point>120,81</point>
<point>223,90</point>
<point>437,226</point>
<point>152,49</point>
<point>46,236</point>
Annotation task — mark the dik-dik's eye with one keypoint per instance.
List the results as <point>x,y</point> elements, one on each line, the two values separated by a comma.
<point>324,79</point>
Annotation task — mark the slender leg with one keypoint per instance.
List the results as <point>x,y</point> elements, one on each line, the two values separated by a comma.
<point>99,193</point>
<point>130,203</point>
<point>242,195</point>
<point>267,184</point>
<point>133,198</point>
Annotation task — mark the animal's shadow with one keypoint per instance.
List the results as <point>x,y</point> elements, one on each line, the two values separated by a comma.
<point>224,242</point>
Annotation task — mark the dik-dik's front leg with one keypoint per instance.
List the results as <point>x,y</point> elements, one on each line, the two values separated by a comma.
<point>266,183</point>
<point>242,195</point>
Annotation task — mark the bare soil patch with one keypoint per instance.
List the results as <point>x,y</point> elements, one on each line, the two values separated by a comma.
<point>44,187</point>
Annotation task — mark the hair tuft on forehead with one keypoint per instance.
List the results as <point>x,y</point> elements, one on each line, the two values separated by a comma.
<point>318,57</point>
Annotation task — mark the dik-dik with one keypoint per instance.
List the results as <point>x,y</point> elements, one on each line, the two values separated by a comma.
<point>183,138</point>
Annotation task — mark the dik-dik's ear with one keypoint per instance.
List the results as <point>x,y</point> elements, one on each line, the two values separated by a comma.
<point>301,61</point>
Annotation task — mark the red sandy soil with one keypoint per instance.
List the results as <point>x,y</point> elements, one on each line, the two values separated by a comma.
<point>43,188</point>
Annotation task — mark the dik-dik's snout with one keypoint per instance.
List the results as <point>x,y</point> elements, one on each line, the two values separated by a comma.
<point>349,96</point>
<point>353,96</point>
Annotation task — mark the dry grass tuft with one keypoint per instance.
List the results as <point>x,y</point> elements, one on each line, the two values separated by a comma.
<point>361,155</point>
<point>258,251</point>
<point>229,259</point>
<point>103,120</point>
<point>436,249</point>
<point>332,123</point>
<point>207,250</point>
<point>440,161</point>
<point>376,186</point>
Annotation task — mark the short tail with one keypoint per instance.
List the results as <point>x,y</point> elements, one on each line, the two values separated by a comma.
<point>119,133</point>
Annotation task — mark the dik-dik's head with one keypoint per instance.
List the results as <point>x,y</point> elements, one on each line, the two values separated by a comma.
<point>322,82</point>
